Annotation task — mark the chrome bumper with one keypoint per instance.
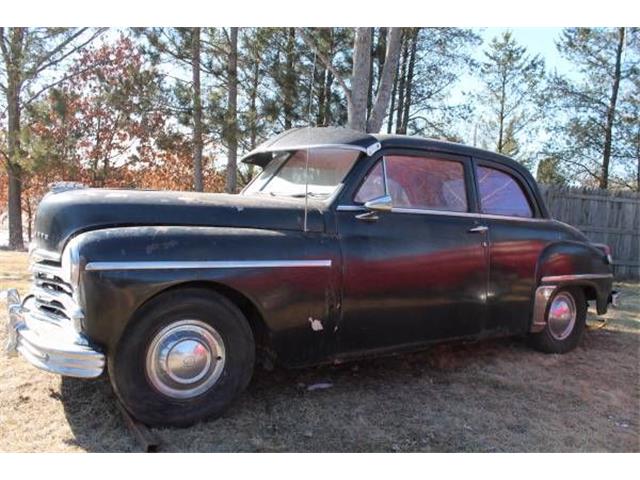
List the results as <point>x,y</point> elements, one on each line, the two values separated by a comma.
<point>51,346</point>
<point>614,299</point>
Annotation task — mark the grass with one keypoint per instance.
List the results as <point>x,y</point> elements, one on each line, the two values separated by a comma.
<point>492,396</point>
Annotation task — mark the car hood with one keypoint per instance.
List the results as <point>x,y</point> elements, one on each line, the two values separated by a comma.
<point>62,215</point>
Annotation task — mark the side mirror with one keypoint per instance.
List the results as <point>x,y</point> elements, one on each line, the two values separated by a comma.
<point>374,206</point>
<point>380,204</point>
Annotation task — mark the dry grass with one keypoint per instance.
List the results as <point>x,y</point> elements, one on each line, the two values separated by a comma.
<point>492,396</point>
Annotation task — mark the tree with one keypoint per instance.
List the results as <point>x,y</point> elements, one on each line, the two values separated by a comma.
<point>550,171</point>
<point>104,118</point>
<point>183,48</point>
<point>231,124</point>
<point>432,62</point>
<point>356,92</point>
<point>30,57</point>
<point>510,97</point>
<point>197,109</point>
<point>588,134</point>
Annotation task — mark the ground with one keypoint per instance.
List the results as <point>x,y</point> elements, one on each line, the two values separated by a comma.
<point>493,396</point>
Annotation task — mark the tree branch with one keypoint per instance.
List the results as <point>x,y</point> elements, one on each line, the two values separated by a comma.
<point>47,61</point>
<point>311,44</point>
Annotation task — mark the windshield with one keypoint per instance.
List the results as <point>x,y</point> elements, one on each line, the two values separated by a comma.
<point>285,175</point>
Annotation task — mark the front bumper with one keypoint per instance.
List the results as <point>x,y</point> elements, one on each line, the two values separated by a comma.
<point>51,346</point>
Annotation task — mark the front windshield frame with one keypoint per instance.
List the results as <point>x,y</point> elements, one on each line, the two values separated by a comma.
<point>259,184</point>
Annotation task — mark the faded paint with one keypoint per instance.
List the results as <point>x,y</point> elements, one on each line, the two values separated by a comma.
<point>316,325</point>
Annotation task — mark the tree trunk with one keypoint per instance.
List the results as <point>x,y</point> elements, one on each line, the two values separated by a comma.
<point>381,53</point>
<point>197,111</point>
<point>326,115</point>
<point>357,107</point>
<point>14,170</point>
<point>638,158</point>
<point>394,94</point>
<point>289,90</point>
<point>611,112</point>
<point>503,100</point>
<point>232,113</point>
<point>387,76</point>
<point>401,83</point>
<point>409,81</point>
<point>253,99</point>
<point>370,87</point>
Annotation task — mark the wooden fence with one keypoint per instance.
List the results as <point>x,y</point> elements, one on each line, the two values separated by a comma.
<point>604,216</point>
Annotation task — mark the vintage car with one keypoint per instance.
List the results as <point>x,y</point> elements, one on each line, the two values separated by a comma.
<point>346,244</point>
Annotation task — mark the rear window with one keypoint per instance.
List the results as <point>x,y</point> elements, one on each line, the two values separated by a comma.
<point>501,194</point>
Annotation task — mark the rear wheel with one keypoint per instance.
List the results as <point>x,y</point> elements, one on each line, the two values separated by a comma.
<point>565,322</point>
<point>185,357</point>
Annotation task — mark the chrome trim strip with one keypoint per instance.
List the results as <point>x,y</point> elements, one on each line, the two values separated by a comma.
<point>449,213</point>
<point>350,208</point>
<point>42,254</point>
<point>373,148</point>
<point>180,265</point>
<point>46,269</point>
<point>541,300</point>
<point>512,218</point>
<point>424,211</point>
<point>585,276</point>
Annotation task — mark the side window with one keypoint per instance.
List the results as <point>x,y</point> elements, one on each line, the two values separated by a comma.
<point>417,182</point>
<point>501,194</point>
<point>372,186</point>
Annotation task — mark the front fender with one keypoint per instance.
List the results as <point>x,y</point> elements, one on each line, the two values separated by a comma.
<point>291,278</point>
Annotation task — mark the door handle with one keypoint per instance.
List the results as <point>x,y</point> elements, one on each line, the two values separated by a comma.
<point>479,229</point>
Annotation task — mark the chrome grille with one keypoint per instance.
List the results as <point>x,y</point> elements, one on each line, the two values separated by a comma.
<point>53,296</point>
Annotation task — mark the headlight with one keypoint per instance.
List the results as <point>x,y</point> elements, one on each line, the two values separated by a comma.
<point>71,264</point>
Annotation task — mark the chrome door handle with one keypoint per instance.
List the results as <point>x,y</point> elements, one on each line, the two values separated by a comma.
<point>479,229</point>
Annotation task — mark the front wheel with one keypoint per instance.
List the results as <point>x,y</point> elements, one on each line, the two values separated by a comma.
<point>565,321</point>
<point>185,357</point>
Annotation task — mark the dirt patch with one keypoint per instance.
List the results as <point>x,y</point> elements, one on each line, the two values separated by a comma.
<point>492,396</point>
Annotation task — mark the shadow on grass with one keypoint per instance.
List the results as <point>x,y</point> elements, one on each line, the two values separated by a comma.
<point>97,425</point>
<point>488,396</point>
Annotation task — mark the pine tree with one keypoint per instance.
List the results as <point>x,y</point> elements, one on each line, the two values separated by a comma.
<point>588,132</point>
<point>510,98</point>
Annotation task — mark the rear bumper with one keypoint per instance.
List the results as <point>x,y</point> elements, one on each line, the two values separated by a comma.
<point>51,346</point>
<point>614,299</point>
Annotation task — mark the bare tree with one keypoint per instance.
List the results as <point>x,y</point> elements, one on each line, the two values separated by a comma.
<point>357,92</point>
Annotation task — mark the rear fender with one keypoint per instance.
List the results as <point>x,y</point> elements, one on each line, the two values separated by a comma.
<point>567,264</point>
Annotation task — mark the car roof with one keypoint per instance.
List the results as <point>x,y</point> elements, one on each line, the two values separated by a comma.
<point>368,143</point>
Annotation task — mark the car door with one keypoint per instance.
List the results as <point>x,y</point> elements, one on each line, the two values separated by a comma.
<point>417,273</point>
<point>517,234</point>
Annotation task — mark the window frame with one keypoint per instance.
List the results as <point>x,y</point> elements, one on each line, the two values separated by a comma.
<point>536,213</point>
<point>469,180</point>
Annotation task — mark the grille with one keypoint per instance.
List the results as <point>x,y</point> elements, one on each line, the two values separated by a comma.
<point>53,296</point>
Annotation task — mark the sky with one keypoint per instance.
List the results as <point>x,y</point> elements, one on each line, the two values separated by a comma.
<point>537,40</point>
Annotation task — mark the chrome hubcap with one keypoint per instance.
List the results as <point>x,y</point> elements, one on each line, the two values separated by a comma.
<point>185,359</point>
<point>562,316</point>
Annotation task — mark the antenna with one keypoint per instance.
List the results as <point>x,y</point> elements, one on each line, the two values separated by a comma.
<point>306,166</point>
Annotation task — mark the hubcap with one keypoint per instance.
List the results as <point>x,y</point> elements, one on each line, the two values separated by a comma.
<point>185,359</point>
<point>562,316</point>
